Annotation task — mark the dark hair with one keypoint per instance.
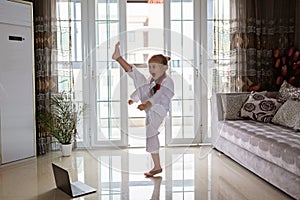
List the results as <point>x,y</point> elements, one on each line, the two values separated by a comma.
<point>159,58</point>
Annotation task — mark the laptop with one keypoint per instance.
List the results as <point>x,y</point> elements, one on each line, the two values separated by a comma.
<point>63,183</point>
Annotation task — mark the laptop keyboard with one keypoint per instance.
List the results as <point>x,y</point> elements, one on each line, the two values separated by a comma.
<point>76,190</point>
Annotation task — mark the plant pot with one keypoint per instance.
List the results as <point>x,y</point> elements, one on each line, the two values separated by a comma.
<point>66,149</point>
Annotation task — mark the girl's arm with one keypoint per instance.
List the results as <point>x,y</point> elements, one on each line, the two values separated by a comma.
<point>134,97</point>
<point>166,91</point>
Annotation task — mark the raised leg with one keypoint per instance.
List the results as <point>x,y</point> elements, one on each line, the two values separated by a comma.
<point>117,57</point>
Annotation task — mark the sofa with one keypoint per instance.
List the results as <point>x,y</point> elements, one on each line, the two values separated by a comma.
<point>268,149</point>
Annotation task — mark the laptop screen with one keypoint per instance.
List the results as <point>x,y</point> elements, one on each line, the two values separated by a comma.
<point>62,179</point>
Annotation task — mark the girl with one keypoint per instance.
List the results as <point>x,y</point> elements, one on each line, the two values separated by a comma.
<point>155,95</point>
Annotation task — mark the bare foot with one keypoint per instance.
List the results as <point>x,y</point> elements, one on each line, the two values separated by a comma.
<point>153,172</point>
<point>116,53</point>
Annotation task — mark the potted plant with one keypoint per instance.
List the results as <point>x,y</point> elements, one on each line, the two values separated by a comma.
<point>60,120</point>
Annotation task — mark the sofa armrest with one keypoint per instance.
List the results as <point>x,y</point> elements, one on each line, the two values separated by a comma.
<point>219,106</point>
<point>230,97</point>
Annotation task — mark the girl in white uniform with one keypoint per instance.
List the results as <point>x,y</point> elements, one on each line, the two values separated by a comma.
<point>155,95</point>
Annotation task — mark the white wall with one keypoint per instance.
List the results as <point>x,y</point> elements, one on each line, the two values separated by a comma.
<point>17,108</point>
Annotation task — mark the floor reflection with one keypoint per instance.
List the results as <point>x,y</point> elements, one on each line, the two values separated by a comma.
<point>189,173</point>
<point>156,187</point>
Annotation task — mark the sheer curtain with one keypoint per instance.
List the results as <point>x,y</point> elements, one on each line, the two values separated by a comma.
<point>48,50</point>
<point>246,32</point>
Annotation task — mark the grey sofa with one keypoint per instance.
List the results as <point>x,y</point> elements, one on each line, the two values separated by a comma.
<point>270,151</point>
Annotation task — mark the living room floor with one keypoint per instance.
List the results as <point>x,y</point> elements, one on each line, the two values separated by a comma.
<point>188,173</point>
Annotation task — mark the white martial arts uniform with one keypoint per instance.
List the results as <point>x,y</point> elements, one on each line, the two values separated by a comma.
<point>160,104</point>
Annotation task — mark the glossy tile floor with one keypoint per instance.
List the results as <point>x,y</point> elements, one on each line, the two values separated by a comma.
<point>189,173</point>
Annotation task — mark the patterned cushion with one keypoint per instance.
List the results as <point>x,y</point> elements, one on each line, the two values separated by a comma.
<point>288,115</point>
<point>287,91</point>
<point>232,104</point>
<point>260,108</point>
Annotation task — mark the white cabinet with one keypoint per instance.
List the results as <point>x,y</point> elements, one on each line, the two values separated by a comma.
<point>17,107</point>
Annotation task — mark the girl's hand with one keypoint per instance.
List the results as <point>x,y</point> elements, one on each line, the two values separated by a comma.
<point>141,107</point>
<point>130,102</point>
<point>145,106</point>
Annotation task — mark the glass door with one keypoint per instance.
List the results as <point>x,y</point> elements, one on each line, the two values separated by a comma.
<point>144,38</point>
<point>166,28</point>
<point>108,125</point>
<point>144,29</point>
<point>185,122</point>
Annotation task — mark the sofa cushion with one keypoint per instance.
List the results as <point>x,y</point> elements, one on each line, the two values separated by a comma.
<point>232,104</point>
<point>271,142</point>
<point>288,115</point>
<point>288,91</point>
<point>260,107</point>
